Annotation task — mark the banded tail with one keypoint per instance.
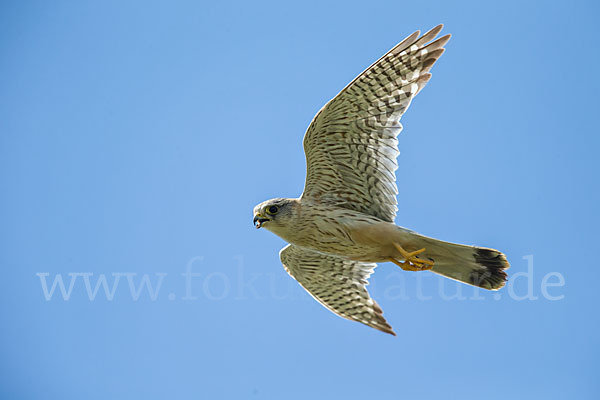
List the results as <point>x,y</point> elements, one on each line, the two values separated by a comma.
<point>477,266</point>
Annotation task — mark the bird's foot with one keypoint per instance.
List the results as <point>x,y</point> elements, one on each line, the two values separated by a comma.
<point>411,261</point>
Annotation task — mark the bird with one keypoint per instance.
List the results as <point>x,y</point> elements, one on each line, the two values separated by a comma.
<point>343,223</point>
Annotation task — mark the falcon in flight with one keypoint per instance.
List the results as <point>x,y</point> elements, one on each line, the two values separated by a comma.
<point>343,224</point>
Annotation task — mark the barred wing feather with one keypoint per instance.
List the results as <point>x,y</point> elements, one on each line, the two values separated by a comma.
<point>351,144</point>
<point>337,283</point>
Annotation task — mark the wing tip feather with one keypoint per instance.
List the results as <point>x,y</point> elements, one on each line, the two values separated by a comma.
<point>380,322</point>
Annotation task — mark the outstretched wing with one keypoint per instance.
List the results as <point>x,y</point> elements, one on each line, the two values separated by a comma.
<point>351,144</point>
<point>337,283</point>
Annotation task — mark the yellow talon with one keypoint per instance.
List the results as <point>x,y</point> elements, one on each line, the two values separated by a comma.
<point>411,262</point>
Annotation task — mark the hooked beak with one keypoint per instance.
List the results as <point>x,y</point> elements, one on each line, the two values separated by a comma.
<point>259,220</point>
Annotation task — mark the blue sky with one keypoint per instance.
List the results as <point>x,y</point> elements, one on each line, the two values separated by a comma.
<point>136,137</point>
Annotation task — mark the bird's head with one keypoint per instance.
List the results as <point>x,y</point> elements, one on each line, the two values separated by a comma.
<point>276,215</point>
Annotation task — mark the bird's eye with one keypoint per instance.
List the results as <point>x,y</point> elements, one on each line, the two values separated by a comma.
<point>272,210</point>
